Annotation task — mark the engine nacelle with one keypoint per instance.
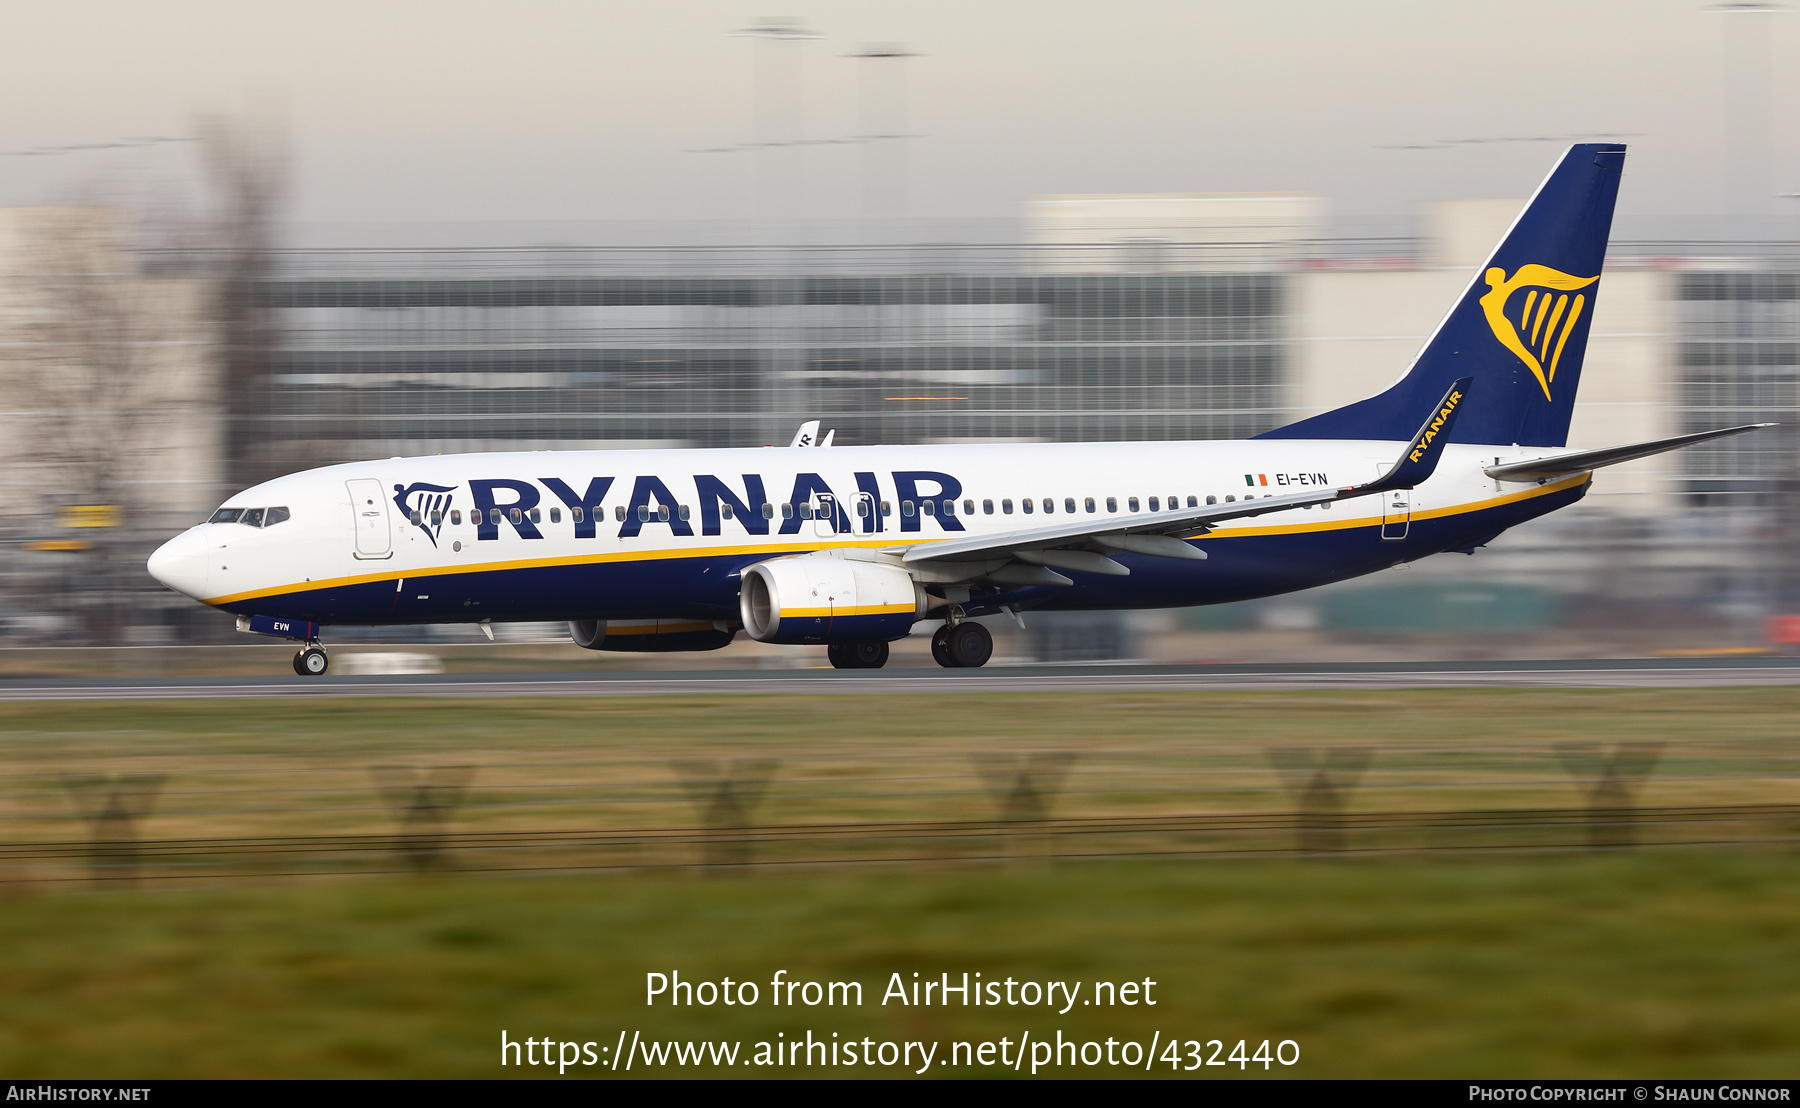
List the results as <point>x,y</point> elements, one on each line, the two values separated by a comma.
<point>813,598</point>
<point>649,636</point>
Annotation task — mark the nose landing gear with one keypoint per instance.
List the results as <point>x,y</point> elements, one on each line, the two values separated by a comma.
<point>311,661</point>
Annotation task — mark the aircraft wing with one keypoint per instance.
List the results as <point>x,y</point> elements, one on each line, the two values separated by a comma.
<point>1065,545</point>
<point>1583,460</point>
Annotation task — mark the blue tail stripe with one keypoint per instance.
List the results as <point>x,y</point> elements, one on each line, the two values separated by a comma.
<point>1527,389</point>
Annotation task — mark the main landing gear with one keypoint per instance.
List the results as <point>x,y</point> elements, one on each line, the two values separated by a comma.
<point>311,661</point>
<point>962,645</point>
<point>857,655</point>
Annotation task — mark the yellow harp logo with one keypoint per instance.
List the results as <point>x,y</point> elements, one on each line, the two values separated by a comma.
<point>1536,326</point>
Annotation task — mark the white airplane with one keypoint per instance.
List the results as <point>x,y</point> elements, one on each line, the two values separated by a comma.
<point>851,546</point>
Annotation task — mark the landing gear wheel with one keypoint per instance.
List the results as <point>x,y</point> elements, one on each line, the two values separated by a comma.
<point>866,655</point>
<point>311,662</point>
<point>857,655</point>
<point>940,647</point>
<point>969,645</point>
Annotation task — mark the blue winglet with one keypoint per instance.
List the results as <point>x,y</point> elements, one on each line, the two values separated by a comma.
<point>1420,458</point>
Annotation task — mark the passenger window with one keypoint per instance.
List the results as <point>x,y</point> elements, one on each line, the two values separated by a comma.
<point>437,518</point>
<point>928,507</point>
<point>619,513</point>
<point>887,507</point>
<point>1028,505</point>
<point>1069,504</point>
<point>862,509</point>
<point>537,516</point>
<point>806,511</point>
<point>768,510</point>
<point>1006,507</point>
<point>682,511</point>
<point>969,507</point>
<point>517,516</point>
<point>662,513</point>
<point>787,511</point>
<point>413,517</point>
<point>1194,502</point>
<point>1112,503</point>
<point>1049,506</point>
<point>456,517</point>
<point>1230,499</point>
<point>496,518</point>
<point>725,511</point>
<point>252,517</point>
<point>987,507</point>
<point>949,507</point>
<point>226,515</point>
<point>1132,504</point>
<point>1175,502</point>
<point>1155,504</point>
<point>276,515</point>
<point>643,513</point>
<point>1209,500</point>
<point>575,513</point>
<point>906,508</point>
<point>1088,504</point>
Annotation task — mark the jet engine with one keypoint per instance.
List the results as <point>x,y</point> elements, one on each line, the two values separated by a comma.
<point>811,598</point>
<point>650,636</point>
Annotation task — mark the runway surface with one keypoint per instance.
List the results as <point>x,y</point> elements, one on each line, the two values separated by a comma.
<point>1639,673</point>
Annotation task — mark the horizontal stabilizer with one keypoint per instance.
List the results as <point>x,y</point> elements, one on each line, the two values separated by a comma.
<point>1583,460</point>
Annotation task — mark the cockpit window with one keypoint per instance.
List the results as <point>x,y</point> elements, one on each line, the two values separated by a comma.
<point>276,515</point>
<point>226,515</point>
<point>252,517</point>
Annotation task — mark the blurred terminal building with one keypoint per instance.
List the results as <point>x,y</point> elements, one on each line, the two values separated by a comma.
<point>145,385</point>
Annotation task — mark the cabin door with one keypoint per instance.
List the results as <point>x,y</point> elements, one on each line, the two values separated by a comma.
<point>1396,514</point>
<point>369,510</point>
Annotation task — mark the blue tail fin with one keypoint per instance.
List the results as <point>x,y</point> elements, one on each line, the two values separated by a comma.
<point>1519,330</point>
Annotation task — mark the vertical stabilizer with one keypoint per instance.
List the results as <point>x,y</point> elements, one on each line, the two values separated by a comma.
<point>1520,329</point>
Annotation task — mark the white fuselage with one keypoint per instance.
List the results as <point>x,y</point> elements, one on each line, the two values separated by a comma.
<point>665,533</point>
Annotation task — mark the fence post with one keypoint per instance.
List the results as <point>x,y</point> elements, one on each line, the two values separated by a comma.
<point>1023,786</point>
<point>1611,780</point>
<point>113,807</point>
<point>1320,782</point>
<point>423,801</point>
<point>727,794</point>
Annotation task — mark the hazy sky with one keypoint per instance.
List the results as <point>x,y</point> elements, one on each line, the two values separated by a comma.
<point>541,110</point>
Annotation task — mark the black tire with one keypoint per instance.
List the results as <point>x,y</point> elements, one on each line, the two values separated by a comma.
<point>299,663</point>
<point>866,655</point>
<point>312,662</point>
<point>840,658</point>
<point>970,646</point>
<point>940,647</point>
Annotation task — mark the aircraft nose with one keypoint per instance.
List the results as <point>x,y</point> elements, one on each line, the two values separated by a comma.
<point>181,563</point>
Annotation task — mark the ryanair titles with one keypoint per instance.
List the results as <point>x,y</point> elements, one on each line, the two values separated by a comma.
<point>1423,446</point>
<point>500,502</point>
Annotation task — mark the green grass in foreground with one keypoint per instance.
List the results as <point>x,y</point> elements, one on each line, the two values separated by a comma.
<point>1655,964</point>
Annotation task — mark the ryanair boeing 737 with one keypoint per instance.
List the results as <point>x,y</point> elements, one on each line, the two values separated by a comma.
<point>851,546</point>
